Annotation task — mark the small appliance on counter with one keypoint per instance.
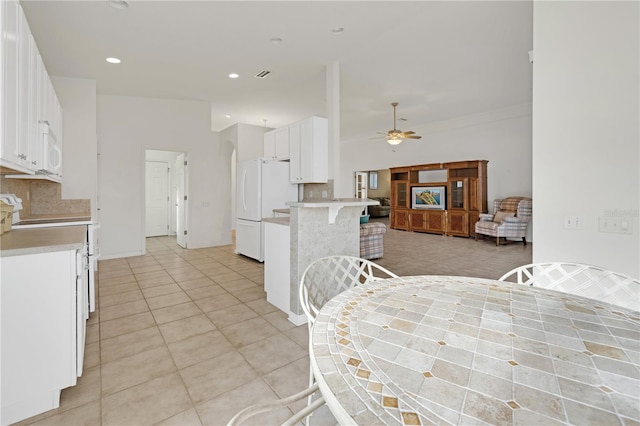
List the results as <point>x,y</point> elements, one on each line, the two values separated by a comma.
<point>16,204</point>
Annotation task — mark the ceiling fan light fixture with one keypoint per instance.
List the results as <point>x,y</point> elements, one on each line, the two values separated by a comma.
<point>394,140</point>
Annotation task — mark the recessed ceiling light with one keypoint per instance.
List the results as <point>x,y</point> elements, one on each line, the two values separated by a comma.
<point>276,40</point>
<point>337,30</point>
<point>118,4</point>
<point>113,60</point>
<point>234,75</point>
<point>228,115</point>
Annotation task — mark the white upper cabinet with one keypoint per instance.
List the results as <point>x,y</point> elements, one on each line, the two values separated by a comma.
<point>270,144</point>
<point>276,144</point>
<point>309,150</point>
<point>13,151</point>
<point>28,97</point>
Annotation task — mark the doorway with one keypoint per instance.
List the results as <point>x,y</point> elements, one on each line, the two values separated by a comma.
<point>361,188</point>
<point>166,198</point>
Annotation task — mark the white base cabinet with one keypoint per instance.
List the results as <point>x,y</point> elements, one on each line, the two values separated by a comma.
<point>44,312</point>
<point>277,267</point>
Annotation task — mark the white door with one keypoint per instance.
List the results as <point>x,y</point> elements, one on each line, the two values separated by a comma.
<point>361,187</point>
<point>157,198</point>
<point>181,203</point>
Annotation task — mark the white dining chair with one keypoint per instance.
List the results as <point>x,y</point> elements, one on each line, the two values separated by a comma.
<point>321,280</point>
<point>589,281</point>
<point>329,276</point>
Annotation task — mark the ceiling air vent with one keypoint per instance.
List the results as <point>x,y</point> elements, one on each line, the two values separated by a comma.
<point>262,74</point>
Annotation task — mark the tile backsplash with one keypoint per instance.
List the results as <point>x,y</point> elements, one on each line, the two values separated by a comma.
<point>318,191</point>
<point>43,197</point>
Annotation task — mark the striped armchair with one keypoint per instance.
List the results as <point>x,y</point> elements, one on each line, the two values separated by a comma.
<point>510,219</point>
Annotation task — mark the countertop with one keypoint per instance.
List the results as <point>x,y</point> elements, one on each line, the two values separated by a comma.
<point>341,202</point>
<point>278,220</point>
<point>45,220</point>
<point>286,211</point>
<point>42,240</point>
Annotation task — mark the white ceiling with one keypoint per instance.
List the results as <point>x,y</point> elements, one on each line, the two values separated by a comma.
<point>438,59</point>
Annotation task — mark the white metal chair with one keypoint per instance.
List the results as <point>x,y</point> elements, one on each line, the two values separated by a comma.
<point>321,280</point>
<point>329,276</point>
<point>589,281</point>
<point>326,277</point>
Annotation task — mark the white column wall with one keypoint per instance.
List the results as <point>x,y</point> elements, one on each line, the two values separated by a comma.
<point>128,126</point>
<point>586,131</point>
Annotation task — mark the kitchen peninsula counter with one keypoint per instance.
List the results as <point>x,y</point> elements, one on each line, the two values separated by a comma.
<point>42,240</point>
<point>282,220</point>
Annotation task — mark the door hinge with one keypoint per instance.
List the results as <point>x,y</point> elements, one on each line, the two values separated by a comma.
<point>185,232</point>
<point>167,198</point>
<point>185,162</point>
<point>185,198</point>
<point>168,170</point>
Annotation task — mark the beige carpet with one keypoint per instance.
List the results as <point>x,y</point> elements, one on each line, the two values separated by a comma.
<point>416,253</point>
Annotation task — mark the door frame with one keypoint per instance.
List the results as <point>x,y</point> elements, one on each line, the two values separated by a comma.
<point>148,154</point>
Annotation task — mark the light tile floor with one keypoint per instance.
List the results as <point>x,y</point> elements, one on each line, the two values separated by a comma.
<point>186,337</point>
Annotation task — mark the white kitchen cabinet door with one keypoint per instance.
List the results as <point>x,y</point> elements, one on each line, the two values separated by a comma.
<point>39,331</point>
<point>309,149</point>
<point>24,98</point>
<point>270,144</point>
<point>35,139</point>
<point>12,21</point>
<point>276,144</point>
<point>282,143</point>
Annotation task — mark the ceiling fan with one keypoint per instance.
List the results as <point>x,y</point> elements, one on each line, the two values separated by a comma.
<point>395,136</point>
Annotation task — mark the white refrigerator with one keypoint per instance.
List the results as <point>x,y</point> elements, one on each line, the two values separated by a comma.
<point>262,185</point>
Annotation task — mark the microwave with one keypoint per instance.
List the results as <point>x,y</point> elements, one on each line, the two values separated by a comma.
<point>50,153</point>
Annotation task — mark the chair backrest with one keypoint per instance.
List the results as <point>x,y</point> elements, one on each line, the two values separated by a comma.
<point>521,205</point>
<point>328,276</point>
<point>584,280</point>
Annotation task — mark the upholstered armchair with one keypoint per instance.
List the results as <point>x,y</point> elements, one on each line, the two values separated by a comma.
<point>510,219</point>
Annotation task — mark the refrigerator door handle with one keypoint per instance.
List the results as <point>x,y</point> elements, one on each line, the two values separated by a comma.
<point>244,189</point>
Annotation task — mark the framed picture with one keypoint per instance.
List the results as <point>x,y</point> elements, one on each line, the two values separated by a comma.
<point>428,197</point>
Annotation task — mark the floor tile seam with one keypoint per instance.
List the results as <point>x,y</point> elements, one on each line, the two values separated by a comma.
<point>202,312</point>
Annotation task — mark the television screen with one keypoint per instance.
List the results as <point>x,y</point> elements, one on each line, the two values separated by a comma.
<point>428,197</point>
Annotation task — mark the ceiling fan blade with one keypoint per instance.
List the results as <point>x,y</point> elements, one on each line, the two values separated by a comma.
<point>410,132</point>
<point>413,137</point>
<point>379,137</point>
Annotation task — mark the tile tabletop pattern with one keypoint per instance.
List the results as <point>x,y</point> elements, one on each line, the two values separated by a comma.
<point>456,350</point>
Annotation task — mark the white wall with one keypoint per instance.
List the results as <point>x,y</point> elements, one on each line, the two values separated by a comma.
<point>80,146</point>
<point>502,137</point>
<point>586,131</point>
<point>128,126</point>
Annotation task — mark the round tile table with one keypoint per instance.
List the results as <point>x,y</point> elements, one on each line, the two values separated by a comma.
<point>458,350</point>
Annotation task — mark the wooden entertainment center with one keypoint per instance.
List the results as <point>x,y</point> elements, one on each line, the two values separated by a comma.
<point>465,184</point>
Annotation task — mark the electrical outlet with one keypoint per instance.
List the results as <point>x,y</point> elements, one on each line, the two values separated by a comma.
<point>614,225</point>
